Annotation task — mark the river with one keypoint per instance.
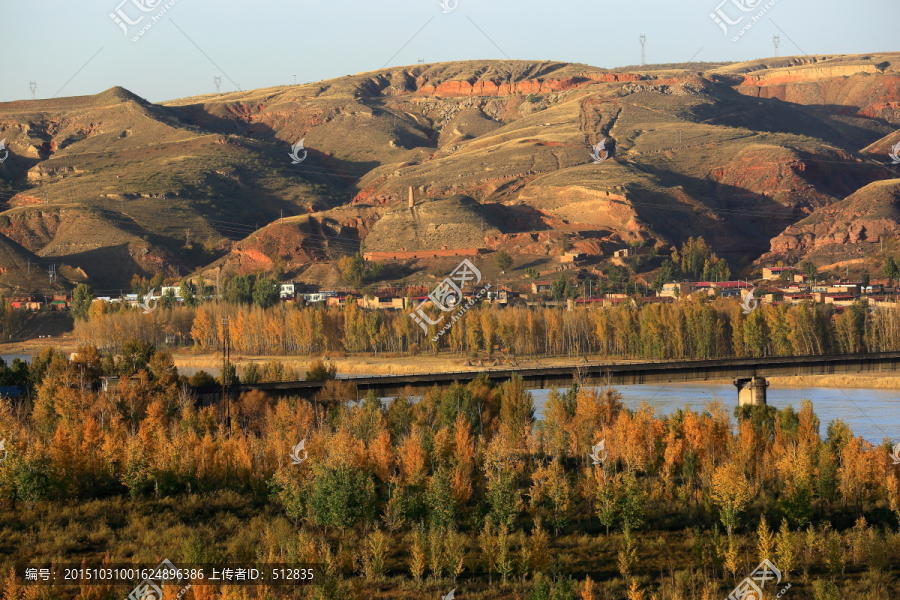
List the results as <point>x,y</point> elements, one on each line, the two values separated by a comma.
<point>873,414</point>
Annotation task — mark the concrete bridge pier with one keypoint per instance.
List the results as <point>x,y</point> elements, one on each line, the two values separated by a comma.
<point>751,390</point>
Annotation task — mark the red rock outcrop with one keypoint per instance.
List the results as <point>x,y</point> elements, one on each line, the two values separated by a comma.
<point>863,218</point>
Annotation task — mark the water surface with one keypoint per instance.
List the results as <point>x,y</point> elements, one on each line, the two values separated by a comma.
<point>873,414</point>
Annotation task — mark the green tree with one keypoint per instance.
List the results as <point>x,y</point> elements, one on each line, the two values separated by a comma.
<point>810,269</point>
<point>319,371</point>
<point>341,496</point>
<point>265,292</point>
<point>82,298</point>
<point>609,501</point>
<point>187,293</point>
<point>441,507</point>
<point>865,280</point>
<point>532,273</point>
<point>168,299</point>
<point>669,272</point>
<point>631,508</point>
<point>891,270</point>
<point>504,498</point>
<point>135,356</point>
<point>251,374</point>
<point>559,289</point>
<point>504,260</point>
<point>356,271</point>
<point>238,289</point>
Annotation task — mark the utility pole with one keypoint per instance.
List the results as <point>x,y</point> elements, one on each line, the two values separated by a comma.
<point>226,372</point>
<point>295,80</point>
<point>218,81</point>
<point>775,41</point>
<point>33,86</point>
<point>643,39</point>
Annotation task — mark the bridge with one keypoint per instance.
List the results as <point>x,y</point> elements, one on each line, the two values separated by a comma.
<point>748,375</point>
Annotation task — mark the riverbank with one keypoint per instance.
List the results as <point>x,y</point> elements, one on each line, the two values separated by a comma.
<point>875,381</point>
<point>190,361</point>
<point>425,364</point>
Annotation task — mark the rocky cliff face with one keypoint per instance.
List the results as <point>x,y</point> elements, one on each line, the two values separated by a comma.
<point>855,226</point>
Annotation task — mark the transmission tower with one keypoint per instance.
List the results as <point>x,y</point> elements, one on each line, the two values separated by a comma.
<point>643,43</point>
<point>52,272</point>
<point>775,41</point>
<point>218,81</point>
<point>33,86</point>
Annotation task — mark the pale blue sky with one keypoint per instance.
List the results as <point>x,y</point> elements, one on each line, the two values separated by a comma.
<point>266,42</point>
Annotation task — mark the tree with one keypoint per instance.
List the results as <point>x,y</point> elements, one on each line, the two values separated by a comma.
<point>356,271</point>
<point>168,299</point>
<point>135,356</point>
<point>516,405</point>
<point>891,270</point>
<point>667,274</point>
<point>342,496</point>
<point>632,502</point>
<point>532,273</point>
<point>864,280</point>
<point>810,269</point>
<point>731,492</point>
<point>265,292</point>
<point>238,289</point>
<point>504,260</point>
<point>559,289</point>
<point>81,301</point>
<point>319,371</point>
<point>187,293</point>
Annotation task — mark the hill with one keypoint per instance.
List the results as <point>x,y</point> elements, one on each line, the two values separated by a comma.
<point>851,231</point>
<point>735,152</point>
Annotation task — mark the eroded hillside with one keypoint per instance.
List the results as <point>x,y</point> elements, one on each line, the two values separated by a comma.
<point>111,184</point>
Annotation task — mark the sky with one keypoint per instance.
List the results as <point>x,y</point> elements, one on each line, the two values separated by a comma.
<point>70,48</point>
